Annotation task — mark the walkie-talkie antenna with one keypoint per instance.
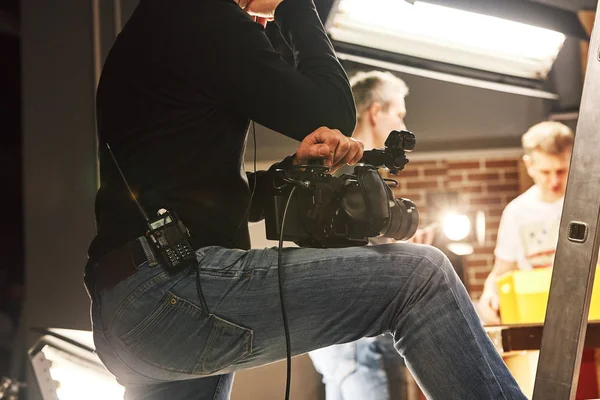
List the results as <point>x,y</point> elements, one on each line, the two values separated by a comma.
<point>127,184</point>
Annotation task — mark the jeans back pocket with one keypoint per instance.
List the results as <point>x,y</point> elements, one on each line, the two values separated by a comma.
<point>179,336</point>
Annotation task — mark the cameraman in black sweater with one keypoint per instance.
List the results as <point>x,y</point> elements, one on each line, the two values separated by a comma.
<point>175,98</point>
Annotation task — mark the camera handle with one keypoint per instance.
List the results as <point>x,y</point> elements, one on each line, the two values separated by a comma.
<point>393,156</point>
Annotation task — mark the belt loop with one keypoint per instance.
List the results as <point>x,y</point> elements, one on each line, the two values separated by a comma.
<point>152,262</point>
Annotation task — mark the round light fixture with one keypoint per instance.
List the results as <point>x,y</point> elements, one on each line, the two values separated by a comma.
<point>456,227</point>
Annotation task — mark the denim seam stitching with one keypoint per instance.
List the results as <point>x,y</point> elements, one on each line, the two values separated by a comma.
<point>199,364</point>
<point>303,263</point>
<point>165,368</point>
<point>138,291</point>
<point>219,387</point>
<point>149,322</point>
<point>237,274</point>
<point>213,338</point>
<point>216,272</point>
<point>245,353</point>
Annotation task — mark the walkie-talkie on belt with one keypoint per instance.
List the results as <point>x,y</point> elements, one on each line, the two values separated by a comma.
<point>166,233</point>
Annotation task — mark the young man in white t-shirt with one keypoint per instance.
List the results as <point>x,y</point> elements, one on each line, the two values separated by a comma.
<point>528,231</point>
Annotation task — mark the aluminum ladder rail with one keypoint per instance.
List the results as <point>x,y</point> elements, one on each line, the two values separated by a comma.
<point>577,250</point>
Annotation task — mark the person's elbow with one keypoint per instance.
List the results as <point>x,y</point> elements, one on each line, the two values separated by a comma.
<point>334,113</point>
<point>341,117</point>
<point>347,122</point>
<point>347,114</point>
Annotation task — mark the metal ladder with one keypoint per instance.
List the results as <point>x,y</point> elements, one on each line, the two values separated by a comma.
<point>577,250</point>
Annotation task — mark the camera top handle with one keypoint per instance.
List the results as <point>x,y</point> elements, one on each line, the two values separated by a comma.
<point>393,156</point>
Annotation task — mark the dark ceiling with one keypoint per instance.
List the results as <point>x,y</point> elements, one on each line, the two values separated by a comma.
<point>447,116</point>
<point>9,8</point>
<point>457,121</point>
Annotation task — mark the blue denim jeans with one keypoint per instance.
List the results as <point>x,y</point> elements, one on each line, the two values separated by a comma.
<point>154,334</point>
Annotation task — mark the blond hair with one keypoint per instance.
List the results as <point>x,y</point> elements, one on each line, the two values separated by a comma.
<point>548,137</point>
<point>375,86</point>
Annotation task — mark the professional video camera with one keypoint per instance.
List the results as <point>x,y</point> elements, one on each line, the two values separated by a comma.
<point>326,211</point>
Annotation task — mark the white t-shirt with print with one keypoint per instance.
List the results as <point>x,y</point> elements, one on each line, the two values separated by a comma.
<point>528,232</point>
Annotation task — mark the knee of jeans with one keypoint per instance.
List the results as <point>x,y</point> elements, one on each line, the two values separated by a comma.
<point>435,264</point>
<point>429,286</point>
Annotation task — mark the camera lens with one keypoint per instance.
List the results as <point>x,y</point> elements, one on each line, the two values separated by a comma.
<point>404,220</point>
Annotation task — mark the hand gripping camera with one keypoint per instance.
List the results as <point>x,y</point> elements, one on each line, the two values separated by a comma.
<point>328,211</point>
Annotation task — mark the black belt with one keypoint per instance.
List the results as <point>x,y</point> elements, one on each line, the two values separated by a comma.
<point>117,265</point>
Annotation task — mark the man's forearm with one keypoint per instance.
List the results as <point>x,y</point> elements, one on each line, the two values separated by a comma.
<point>490,285</point>
<point>500,267</point>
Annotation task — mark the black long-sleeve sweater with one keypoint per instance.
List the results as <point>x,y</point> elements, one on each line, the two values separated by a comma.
<point>175,98</point>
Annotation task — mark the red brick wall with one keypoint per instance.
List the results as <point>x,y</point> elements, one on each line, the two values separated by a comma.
<point>482,182</point>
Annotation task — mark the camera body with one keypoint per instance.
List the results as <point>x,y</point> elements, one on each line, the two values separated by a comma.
<point>344,210</point>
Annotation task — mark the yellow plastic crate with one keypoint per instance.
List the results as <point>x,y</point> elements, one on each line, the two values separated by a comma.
<point>524,296</point>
